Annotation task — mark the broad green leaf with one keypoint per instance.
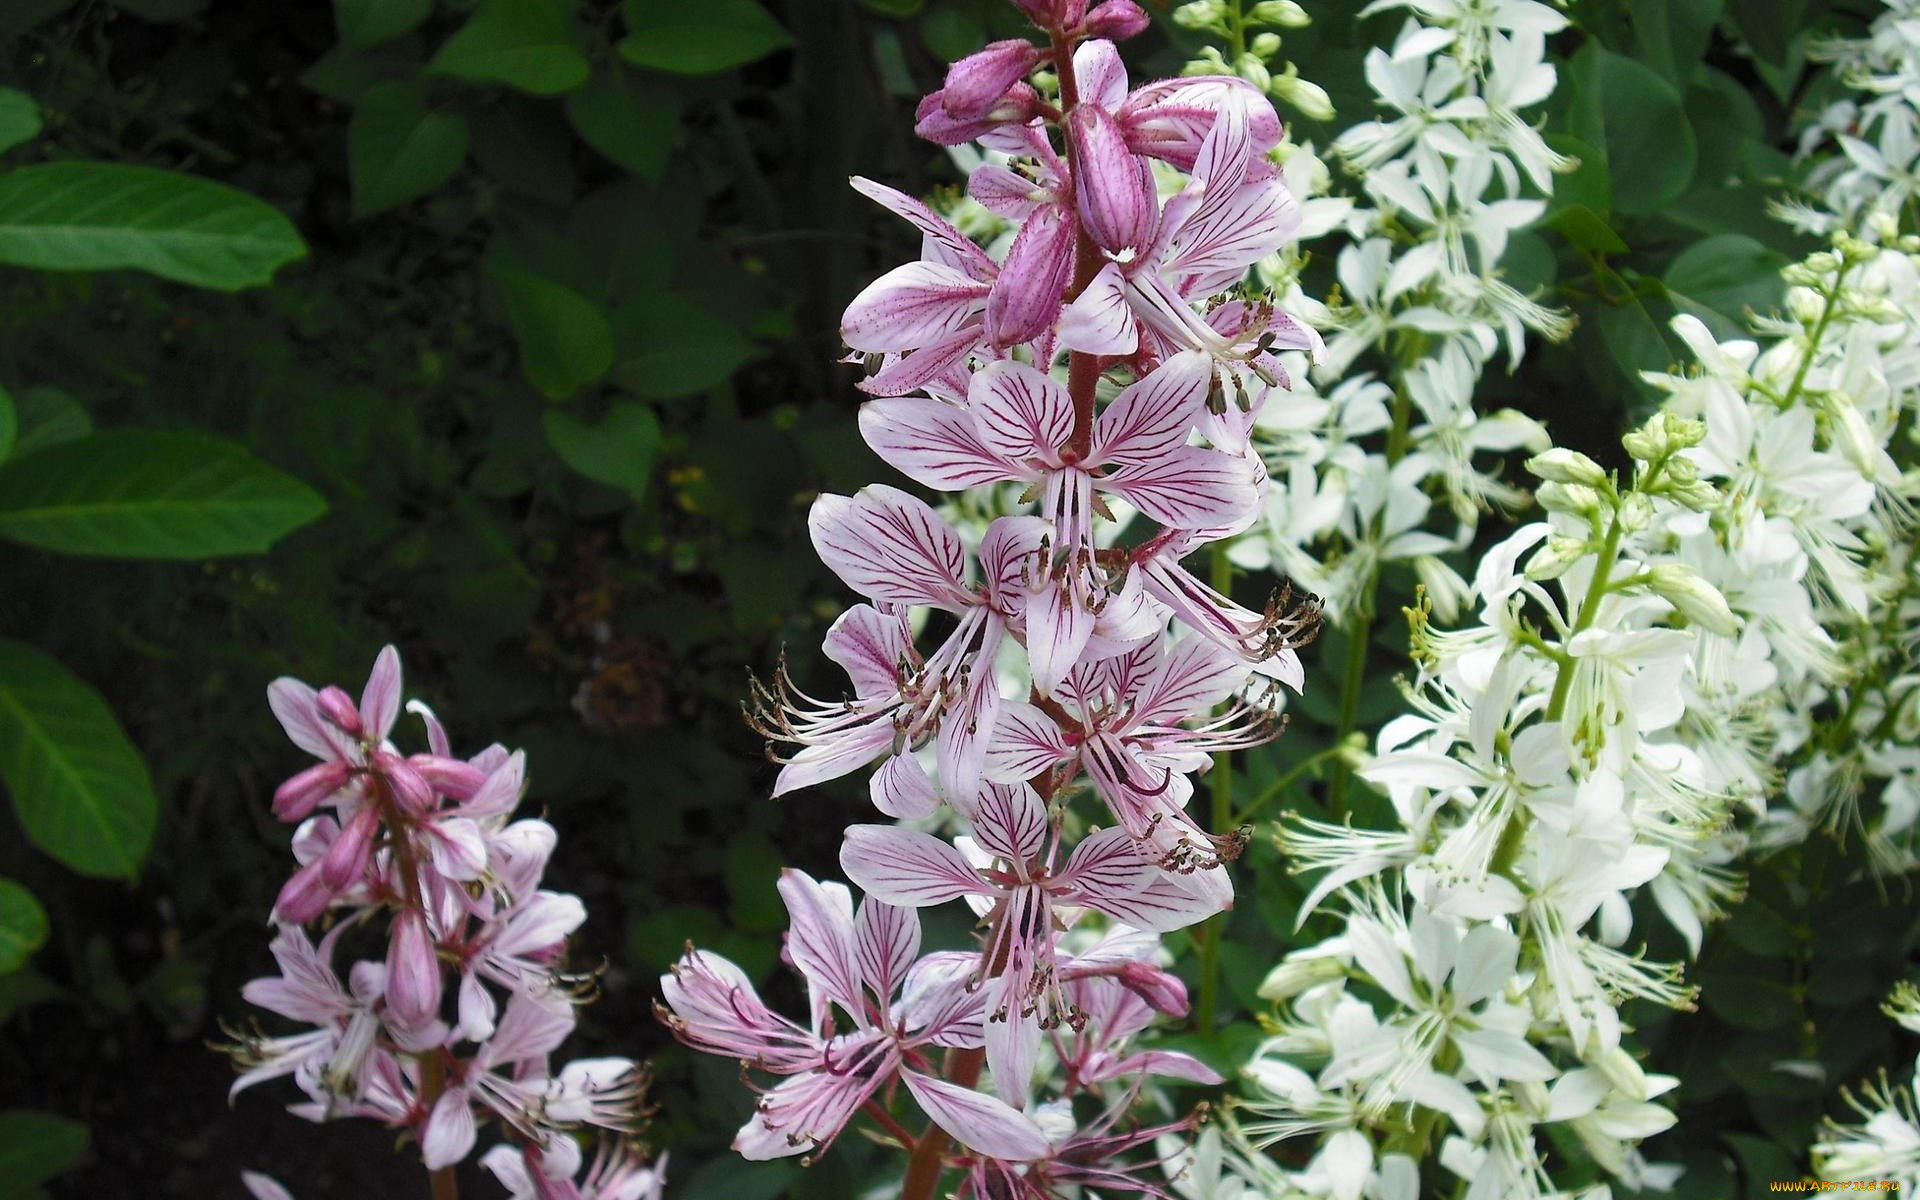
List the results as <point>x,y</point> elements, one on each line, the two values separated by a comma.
<point>1584,228</point>
<point>48,416</point>
<point>36,1146</point>
<point>133,494</point>
<point>565,343</point>
<point>670,345</point>
<point>398,149</point>
<point>78,786</point>
<point>19,118</point>
<point>632,120</point>
<point>698,38</point>
<point>162,12</point>
<point>1671,36</point>
<point>23,925</point>
<point>346,74</point>
<point>9,425</point>
<point>524,44</point>
<point>365,23</point>
<point>1769,26</point>
<point>618,451</point>
<point>1589,183</point>
<point>1634,342</point>
<point>24,989</point>
<point>85,216</point>
<point>1638,118</point>
<point>1721,278</point>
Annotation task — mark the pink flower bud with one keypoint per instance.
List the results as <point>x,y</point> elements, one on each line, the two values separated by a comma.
<point>1111,187</point>
<point>297,797</point>
<point>1025,299</point>
<point>933,122</point>
<point>1115,20</point>
<point>411,791</point>
<point>1053,15</point>
<point>449,776</point>
<point>339,708</point>
<point>303,897</point>
<point>346,860</point>
<point>1162,990</point>
<point>977,82</point>
<point>413,971</point>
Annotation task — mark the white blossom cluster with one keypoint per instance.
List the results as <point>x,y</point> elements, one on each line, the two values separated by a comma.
<point>1728,620</point>
<point>1876,136</point>
<point>1449,173</point>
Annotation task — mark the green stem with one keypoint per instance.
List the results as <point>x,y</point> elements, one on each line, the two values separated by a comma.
<point>1515,834</point>
<point>1221,781</point>
<point>1279,786</point>
<point>1831,298</point>
<point>1354,681</point>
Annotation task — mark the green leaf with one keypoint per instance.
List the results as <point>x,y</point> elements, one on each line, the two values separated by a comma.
<point>1672,36</point>
<point>565,343</point>
<point>618,452</point>
<point>19,118</point>
<point>1720,278</point>
<point>670,345</point>
<point>85,216</point>
<point>24,989</point>
<point>132,494</point>
<point>47,417</point>
<point>9,425</point>
<point>1638,118</point>
<point>1769,26</point>
<point>524,44</point>
<point>698,38</point>
<point>398,149</point>
<point>365,23</point>
<point>632,120</point>
<point>346,74</point>
<point>23,925</point>
<point>1585,229</point>
<point>78,786</point>
<point>36,1146</point>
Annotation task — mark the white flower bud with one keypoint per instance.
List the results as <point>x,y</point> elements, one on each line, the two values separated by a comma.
<point>1202,14</point>
<point>1283,13</point>
<point>1308,99</point>
<point>1699,601</point>
<point>1265,45</point>
<point>1558,554</point>
<point>1624,1074</point>
<point>1561,465</point>
<point>1297,974</point>
<point>1254,72</point>
<point>1636,512</point>
<point>1568,498</point>
<point>1805,305</point>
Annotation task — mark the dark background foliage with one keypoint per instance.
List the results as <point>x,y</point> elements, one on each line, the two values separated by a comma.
<point>562,362</point>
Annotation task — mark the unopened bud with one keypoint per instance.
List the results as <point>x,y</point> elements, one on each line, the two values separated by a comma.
<point>413,971</point>
<point>1282,13</point>
<point>410,789</point>
<point>339,709</point>
<point>1161,989</point>
<point>1805,305</point>
<point>1304,96</point>
<point>1636,512</point>
<point>346,860</point>
<point>1298,973</point>
<point>1561,465</point>
<point>978,81</point>
<point>1559,553</point>
<point>299,796</point>
<point>448,776</point>
<point>1699,601</point>
<point>1112,189</point>
<point>1201,14</point>
<point>1568,498</point>
<point>1115,20</point>
<point>302,897</point>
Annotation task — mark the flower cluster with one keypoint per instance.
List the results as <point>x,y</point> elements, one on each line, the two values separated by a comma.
<point>1108,368</point>
<point>1446,176</point>
<point>1664,651</point>
<point>455,1022</point>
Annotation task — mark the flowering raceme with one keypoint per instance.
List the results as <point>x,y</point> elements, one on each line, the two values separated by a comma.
<point>456,1022</point>
<point>1112,365</point>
